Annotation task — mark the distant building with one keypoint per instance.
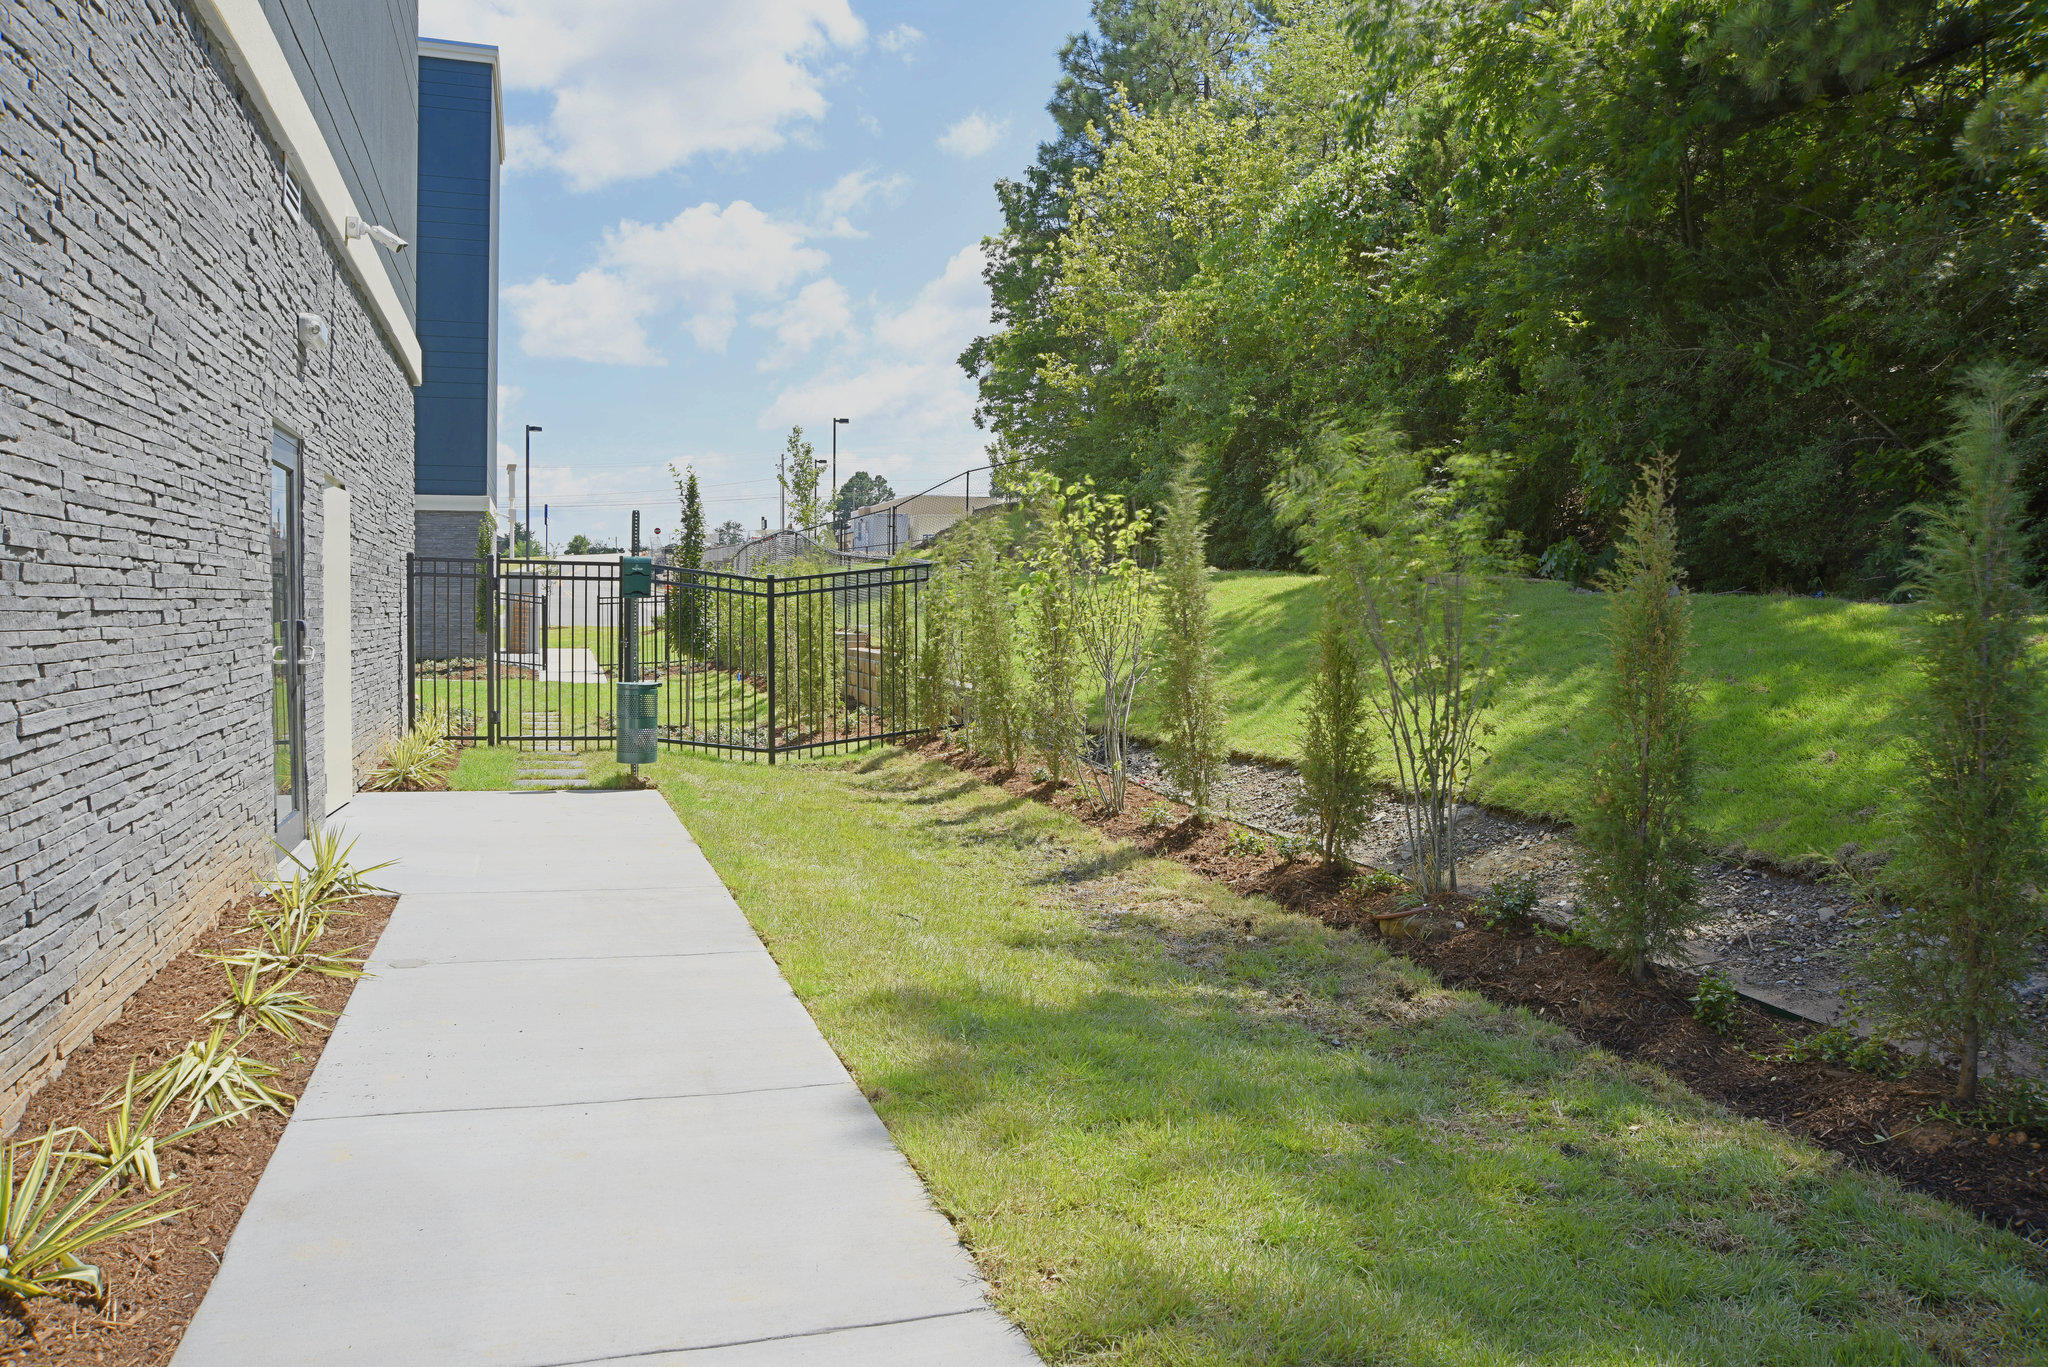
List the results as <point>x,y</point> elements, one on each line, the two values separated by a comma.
<point>461,147</point>
<point>886,528</point>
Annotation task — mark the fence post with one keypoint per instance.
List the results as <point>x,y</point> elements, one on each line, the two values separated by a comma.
<point>771,668</point>
<point>412,688</point>
<point>489,570</point>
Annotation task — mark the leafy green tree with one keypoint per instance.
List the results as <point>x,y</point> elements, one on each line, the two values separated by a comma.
<point>1112,621</point>
<point>1568,233</point>
<point>1639,875</point>
<point>1965,881</point>
<point>1191,712</point>
<point>1336,748</point>
<point>1418,556</point>
<point>860,491</point>
<point>730,533</point>
<point>799,480</point>
<point>579,544</point>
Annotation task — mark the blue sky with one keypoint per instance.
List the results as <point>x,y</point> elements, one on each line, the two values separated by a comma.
<point>722,218</point>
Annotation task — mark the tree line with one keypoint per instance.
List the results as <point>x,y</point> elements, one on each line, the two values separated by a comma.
<point>1764,236</point>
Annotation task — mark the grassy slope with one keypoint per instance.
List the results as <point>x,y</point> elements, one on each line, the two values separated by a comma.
<point>1181,1128</point>
<point>1798,700</point>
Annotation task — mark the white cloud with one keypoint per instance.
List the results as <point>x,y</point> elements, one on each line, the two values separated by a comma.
<point>640,87</point>
<point>946,314</point>
<point>818,312</point>
<point>850,194</point>
<point>974,136</point>
<point>911,384</point>
<point>901,41</point>
<point>509,396</point>
<point>700,264</point>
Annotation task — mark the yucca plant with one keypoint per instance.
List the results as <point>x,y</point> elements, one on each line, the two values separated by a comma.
<point>257,1001</point>
<point>215,1076</point>
<point>131,1141</point>
<point>291,942</point>
<point>411,760</point>
<point>48,1218</point>
<point>332,868</point>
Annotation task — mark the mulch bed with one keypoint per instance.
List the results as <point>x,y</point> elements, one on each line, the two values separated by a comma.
<point>156,1277</point>
<point>1876,1122</point>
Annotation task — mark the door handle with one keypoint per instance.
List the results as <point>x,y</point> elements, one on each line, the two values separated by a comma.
<point>300,624</point>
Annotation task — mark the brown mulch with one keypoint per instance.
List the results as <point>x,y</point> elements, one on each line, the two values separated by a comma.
<point>155,1277</point>
<point>1877,1122</point>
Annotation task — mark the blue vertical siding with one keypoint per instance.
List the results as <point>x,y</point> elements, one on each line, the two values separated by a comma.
<point>454,408</point>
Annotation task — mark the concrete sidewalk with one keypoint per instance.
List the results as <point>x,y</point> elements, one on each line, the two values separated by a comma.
<point>575,1117</point>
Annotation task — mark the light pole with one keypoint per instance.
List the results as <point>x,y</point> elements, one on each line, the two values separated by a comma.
<point>512,516</point>
<point>837,423</point>
<point>530,430</point>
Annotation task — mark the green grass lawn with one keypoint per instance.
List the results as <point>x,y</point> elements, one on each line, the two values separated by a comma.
<point>1178,1127</point>
<point>1798,705</point>
<point>702,700</point>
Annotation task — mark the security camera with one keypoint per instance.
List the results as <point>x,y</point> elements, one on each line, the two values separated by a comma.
<point>312,332</point>
<point>377,233</point>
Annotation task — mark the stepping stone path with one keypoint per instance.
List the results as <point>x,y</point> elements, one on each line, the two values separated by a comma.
<point>548,772</point>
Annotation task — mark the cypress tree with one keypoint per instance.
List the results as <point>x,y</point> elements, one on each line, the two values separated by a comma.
<point>1965,878</point>
<point>1639,874</point>
<point>1336,754</point>
<point>1192,748</point>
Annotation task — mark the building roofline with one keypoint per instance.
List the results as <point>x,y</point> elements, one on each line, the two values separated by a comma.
<point>485,54</point>
<point>252,49</point>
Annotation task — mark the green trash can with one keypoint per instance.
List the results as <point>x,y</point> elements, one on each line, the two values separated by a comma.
<point>639,716</point>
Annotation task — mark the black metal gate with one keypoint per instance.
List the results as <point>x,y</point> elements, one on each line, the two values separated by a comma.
<point>528,652</point>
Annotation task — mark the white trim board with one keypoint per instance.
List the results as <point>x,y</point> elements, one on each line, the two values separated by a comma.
<point>252,48</point>
<point>453,503</point>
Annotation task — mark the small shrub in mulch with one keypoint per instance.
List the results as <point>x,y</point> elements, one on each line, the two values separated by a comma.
<point>156,1277</point>
<point>1749,1059</point>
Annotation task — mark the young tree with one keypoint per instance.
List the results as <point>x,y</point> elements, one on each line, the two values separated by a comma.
<point>685,605</point>
<point>1641,889</point>
<point>579,544</point>
<point>1192,713</point>
<point>1419,559</point>
<point>1336,753</point>
<point>486,547</point>
<point>1113,609</point>
<point>1053,720</point>
<point>995,713</point>
<point>799,480</point>
<point>1965,878</point>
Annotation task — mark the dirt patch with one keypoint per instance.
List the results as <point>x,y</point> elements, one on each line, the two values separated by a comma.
<point>1877,1122</point>
<point>156,1277</point>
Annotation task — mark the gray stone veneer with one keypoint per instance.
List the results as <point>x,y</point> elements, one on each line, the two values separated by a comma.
<point>150,282</point>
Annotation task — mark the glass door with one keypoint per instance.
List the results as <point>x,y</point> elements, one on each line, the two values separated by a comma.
<point>287,641</point>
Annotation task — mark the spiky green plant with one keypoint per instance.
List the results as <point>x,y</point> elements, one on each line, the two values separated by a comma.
<point>52,1209</point>
<point>1965,878</point>
<point>262,998</point>
<point>412,759</point>
<point>1336,750</point>
<point>332,876</point>
<point>131,1141</point>
<point>1638,880</point>
<point>217,1077</point>
<point>1190,708</point>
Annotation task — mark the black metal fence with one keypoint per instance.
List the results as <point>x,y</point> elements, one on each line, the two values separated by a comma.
<point>528,652</point>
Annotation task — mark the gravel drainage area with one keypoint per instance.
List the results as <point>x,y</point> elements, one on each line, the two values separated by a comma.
<point>1785,940</point>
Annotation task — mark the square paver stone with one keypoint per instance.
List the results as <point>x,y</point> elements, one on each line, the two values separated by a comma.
<point>551,1032</point>
<point>574,1234</point>
<point>474,927</point>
